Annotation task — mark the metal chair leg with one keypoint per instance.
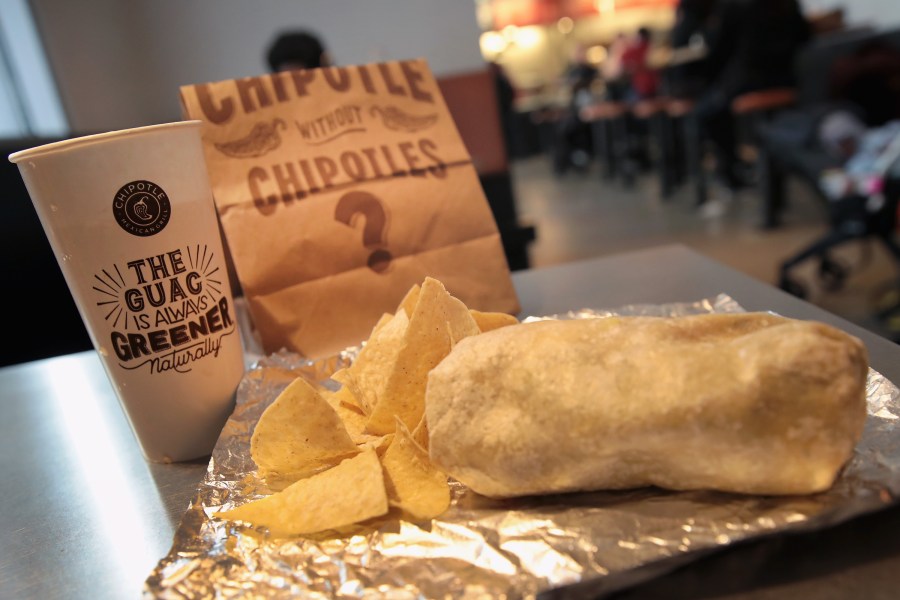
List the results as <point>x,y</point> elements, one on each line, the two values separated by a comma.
<point>772,186</point>
<point>693,152</point>
<point>662,128</point>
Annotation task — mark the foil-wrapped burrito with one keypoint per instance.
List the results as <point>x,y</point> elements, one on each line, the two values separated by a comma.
<point>747,403</point>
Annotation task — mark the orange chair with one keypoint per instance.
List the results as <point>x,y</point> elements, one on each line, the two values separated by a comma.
<point>763,102</point>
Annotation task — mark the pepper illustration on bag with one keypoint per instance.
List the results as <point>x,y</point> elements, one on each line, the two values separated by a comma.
<point>398,120</point>
<point>262,139</point>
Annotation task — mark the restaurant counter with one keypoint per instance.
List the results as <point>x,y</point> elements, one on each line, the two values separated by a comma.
<point>85,516</point>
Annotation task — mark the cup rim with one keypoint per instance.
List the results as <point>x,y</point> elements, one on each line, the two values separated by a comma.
<point>77,142</point>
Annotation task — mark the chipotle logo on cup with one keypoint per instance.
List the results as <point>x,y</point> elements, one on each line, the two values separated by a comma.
<point>142,208</point>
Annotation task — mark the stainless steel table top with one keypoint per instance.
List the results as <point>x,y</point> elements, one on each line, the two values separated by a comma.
<point>83,515</point>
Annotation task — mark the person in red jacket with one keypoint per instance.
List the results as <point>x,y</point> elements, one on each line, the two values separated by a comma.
<point>644,81</point>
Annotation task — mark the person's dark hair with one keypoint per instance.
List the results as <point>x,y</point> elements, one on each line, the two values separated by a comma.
<point>296,50</point>
<point>644,33</point>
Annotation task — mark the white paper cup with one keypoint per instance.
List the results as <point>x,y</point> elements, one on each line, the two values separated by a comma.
<point>130,217</point>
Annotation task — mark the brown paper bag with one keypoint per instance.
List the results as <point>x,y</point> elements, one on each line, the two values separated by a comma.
<point>340,188</point>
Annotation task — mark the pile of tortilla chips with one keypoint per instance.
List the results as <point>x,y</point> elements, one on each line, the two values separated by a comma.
<point>344,457</point>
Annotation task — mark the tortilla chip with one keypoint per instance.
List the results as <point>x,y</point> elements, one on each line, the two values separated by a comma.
<point>437,321</point>
<point>344,404</point>
<point>420,433</point>
<point>378,443</point>
<point>351,390</point>
<point>413,484</point>
<point>408,304</point>
<point>351,492</point>
<point>381,323</point>
<point>298,434</point>
<point>492,320</point>
<point>367,376</point>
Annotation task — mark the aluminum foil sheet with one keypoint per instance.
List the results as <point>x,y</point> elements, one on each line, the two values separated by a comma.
<point>479,548</point>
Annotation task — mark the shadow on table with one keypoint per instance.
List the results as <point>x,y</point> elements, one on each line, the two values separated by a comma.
<point>177,485</point>
<point>753,567</point>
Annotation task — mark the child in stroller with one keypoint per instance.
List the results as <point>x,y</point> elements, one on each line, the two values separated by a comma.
<point>862,190</point>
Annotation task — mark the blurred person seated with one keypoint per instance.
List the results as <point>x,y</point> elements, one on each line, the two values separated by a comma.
<point>612,69</point>
<point>639,81</point>
<point>643,81</point>
<point>579,78</point>
<point>752,46</point>
<point>691,30</point>
<point>297,50</point>
<point>573,140</point>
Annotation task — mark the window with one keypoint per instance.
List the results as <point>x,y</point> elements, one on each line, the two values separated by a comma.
<point>29,101</point>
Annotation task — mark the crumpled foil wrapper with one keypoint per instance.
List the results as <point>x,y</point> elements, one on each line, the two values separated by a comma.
<point>571,545</point>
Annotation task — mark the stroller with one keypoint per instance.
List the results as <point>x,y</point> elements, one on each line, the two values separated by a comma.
<point>858,173</point>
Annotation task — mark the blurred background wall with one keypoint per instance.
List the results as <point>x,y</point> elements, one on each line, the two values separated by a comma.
<point>877,13</point>
<point>119,64</point>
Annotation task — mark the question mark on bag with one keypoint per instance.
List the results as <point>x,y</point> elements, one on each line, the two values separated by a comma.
<point>371,210</point>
